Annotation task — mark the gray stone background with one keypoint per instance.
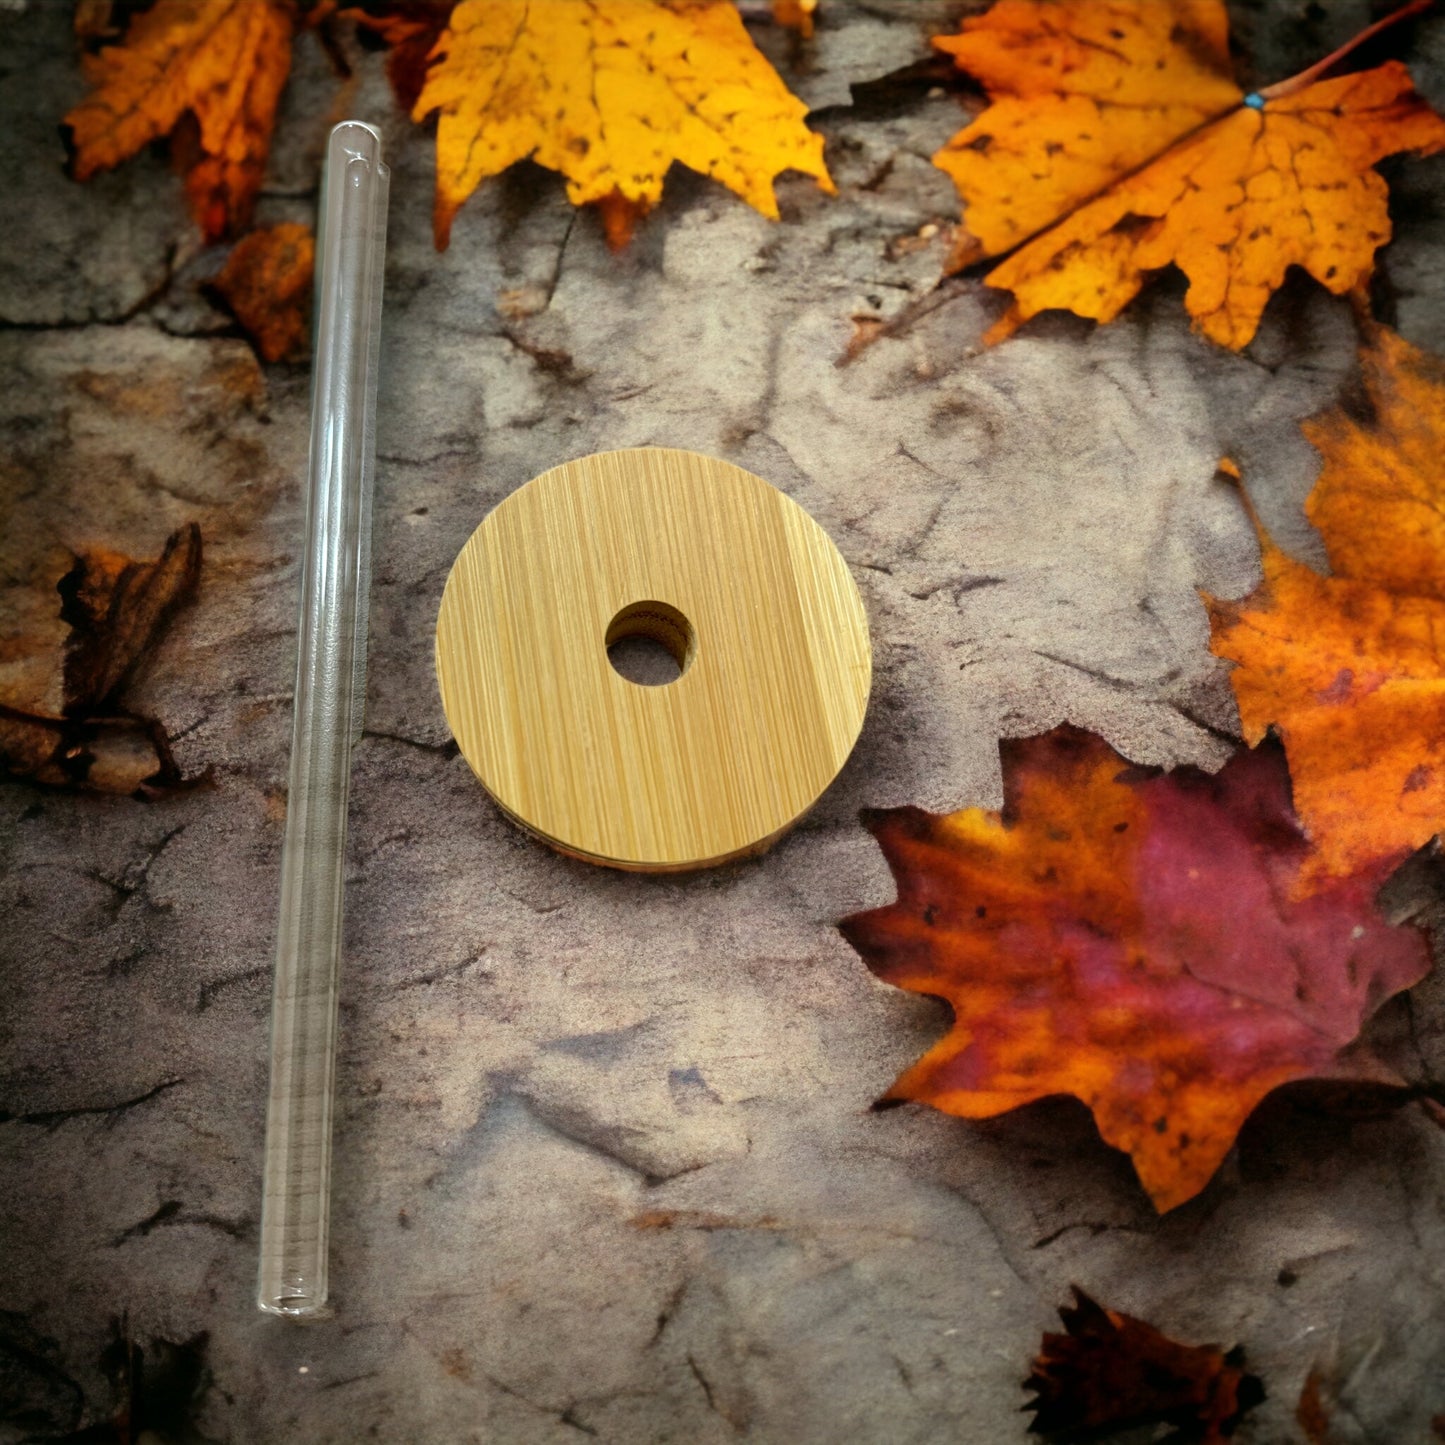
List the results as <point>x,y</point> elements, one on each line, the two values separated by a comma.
<point>605,1164</point>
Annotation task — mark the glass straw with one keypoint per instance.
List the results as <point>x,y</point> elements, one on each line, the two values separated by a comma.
<point>329,701</point>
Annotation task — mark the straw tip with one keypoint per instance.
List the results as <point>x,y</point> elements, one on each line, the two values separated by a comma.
<point>295,1307</point>
<point>358,138</point>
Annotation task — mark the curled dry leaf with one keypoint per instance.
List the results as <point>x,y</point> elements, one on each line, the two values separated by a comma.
<point>1117,143</point>
<point>122,755</point>
<point>266,282</point>
<point>224,62</point>
<point>1349,670</point>
<point>1110,1371</point>
<point>117,610</point>
<point>611,95</point>
<point>1130,939</point>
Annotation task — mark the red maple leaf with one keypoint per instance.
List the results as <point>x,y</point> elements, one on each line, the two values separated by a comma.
<point>1133,939</point>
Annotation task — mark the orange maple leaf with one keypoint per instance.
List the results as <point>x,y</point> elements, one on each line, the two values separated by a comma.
<point>224,61</point>
<point>1130,939</point>
<point>266,282</point>
<point>1117,143</point>
<point>610,93</point>
<point>1350,669</point>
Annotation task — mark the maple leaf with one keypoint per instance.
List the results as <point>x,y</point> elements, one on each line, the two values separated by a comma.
<point>1117,143</point>
<point>224,62</point>
<point>610,93</point>
<point>1132,940</point>
<point>117,610</point>
<point>1350,669</point>
<point>1379,501</point>
<point>266,282</point>
<point>1110,1371</point>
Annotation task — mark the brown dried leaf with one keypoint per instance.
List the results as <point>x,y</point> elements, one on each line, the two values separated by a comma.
<point>1110,1371</point>
<point>266,283</point>
<point>117,610</point>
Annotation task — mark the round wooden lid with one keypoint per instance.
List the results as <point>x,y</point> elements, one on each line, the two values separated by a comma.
<point>735,579</point>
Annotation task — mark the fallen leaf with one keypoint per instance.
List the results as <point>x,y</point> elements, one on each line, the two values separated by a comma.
<point>1379,502</point>
<point>1080,93</point>
<point>410,30</point>
<point>1352,678</point>
<point>266,282</point>
<point>117,610</point>
<point>126,756</point>
<point>1110,1371</point>
<point>1117,143</point>
<point>1131,939</point>
<point>224,62</point>
<point>1349,669</point>
<point>610,93</point>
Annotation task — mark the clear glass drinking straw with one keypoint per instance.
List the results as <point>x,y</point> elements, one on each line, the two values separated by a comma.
<point>329,700</point>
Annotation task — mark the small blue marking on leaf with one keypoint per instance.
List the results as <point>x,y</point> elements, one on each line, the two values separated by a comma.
<point>1254,100</point>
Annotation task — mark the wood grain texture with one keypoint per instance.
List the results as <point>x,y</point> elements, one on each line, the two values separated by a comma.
<point>773,642</point>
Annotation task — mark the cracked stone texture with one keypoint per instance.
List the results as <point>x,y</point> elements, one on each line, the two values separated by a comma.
<point>604,1158</point>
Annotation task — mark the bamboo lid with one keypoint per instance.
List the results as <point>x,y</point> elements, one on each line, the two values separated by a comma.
<point>735,579</point>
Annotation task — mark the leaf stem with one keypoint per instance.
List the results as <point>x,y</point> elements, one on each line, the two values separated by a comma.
<point>1282,88</point>
<point>1228,470</point>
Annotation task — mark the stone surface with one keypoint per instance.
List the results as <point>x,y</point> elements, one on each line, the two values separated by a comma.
<point>604,1159</point>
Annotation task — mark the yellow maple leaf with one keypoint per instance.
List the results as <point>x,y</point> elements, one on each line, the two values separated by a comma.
<point>1081,93</point>
<point>1118,143</point>
<point>225,61</point>
<point>610,93</point>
